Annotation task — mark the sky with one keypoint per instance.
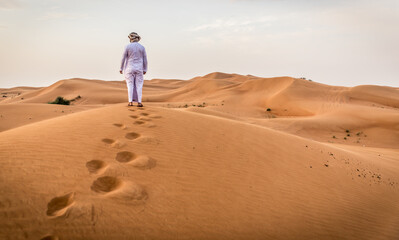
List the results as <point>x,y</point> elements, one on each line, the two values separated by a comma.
<point>336,42</point>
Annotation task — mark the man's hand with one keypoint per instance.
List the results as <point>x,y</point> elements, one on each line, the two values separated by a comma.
<point>144,73</point>
<point>120,71</point>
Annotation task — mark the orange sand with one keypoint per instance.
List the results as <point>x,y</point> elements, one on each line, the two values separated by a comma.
<point>204,159</point>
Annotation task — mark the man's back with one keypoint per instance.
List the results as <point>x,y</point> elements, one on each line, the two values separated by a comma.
<point>134,58</point>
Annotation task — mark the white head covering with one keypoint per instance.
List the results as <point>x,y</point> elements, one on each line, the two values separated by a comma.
<point>134,37</point>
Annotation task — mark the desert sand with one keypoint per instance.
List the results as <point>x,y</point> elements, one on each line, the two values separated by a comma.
<point>220,156</point>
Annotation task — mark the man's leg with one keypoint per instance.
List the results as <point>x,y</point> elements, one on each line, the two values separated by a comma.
<point>129,82</point>
<point>139,85</point>
<point>135,97</point>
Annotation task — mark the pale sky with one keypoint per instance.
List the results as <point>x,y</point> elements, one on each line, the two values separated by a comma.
<point>336,42</point>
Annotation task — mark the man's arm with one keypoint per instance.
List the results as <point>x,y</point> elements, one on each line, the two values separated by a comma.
<point>123,59</point>
<point>145,63</point>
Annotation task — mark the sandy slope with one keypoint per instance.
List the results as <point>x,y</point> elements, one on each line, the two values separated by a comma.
<point>15,115</point>
<point>228,169</point>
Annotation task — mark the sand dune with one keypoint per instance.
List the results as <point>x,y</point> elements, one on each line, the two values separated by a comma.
<point>204,159</point>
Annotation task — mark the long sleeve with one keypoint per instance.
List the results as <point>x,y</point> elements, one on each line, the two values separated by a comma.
<point>124,59</point>
<point>145,64</point>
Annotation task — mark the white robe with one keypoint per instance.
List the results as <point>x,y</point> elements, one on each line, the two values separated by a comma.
<point>134,63</point>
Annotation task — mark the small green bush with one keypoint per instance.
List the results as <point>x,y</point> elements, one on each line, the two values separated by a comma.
<point>61,101</point>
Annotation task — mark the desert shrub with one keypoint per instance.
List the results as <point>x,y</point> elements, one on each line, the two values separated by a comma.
<point>61,101</point>
<point>76,98</point>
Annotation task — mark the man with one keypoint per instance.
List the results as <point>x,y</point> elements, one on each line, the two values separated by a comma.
<point>134,66</point>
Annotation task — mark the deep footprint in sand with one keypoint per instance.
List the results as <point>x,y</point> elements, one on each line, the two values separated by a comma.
<point>132,135</point>
<point>59,205</point>
<point>124,156</point>
<point>143,162</point>
<point>95,166</point>
<point>106,184</point>
<point>144,114</point>
<point>108,140</point>
<point>119,189</point>
<point>134,116</point>
<point>139,122</point>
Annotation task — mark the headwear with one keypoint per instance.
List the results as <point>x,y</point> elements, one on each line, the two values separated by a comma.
<point>134,37</point>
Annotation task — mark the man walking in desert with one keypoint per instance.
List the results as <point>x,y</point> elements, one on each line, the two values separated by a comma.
<point>134,66</point>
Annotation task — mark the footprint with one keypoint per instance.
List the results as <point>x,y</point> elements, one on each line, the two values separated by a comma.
<point>143,162</point>
<point>106,184</point>
<point>148,140</point>
<point>134,116</point>
<point>95,166</point>
<point>59,205</point>
<point>124,156</point>
<point>139,122</point>
<point>108,140</point>
<point>132,135</point>
<point>144,114</point>
<point>49,237</point>
<point>144,119</point>
<point>132,110</point>
<point>120,125</point>
<point>119,189</point>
